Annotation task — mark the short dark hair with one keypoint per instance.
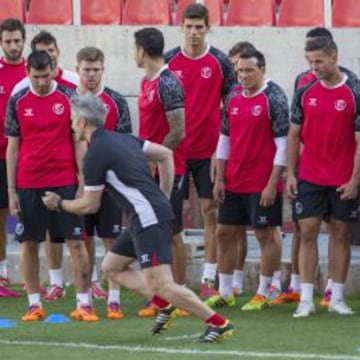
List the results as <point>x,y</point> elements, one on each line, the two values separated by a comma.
<point>323,43</point>
<point>319,31</point>
<point>90,53</point>
<point>43,37</point>
<point>196,11</point>
<point>12,24</point>
<point>259,56</point>
<point>240,47</point>
<point>39,60</point>
<point>151,40</point>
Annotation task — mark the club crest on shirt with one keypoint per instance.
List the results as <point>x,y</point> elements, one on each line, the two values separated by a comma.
<point>256,110</point>
<point>151,95</point>
<point>206,72</point>
<point>340,105</point>
<point>58,109</point>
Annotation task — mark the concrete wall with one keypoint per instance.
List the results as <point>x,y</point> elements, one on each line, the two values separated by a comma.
<point>283,48</point>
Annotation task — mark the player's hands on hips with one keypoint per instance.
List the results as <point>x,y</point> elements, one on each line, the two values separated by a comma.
<point>348,191</point>
<point>268,196</point>
<point>291,187</point>
<point>50,200</point>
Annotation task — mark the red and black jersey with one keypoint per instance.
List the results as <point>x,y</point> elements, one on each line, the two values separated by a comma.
<point>158,96</point>
<point>43,125</point>
<point>252,123</point>
<point>328,118</point>
<point>10,75</point>
<point>207,80</point>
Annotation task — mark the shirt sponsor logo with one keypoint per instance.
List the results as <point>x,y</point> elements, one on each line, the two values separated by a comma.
<point>28,112</point>
<point>144,258</point>
<point>58,109</point>
<point>256,110</point>
<point>206,72</point>
<point>340,105</point>
<point>312,102</point>
<point>178,73</point>
<point>234,111</point>
<point>151,95</point>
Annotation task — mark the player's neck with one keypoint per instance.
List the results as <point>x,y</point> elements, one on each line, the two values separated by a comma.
<point>84,90</point>
<point>334,79</point>
<point>13,62</point>
<point>153,66</point>
<point>195,51</point>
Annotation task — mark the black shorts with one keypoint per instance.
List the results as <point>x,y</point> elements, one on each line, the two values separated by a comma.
<point>35,218</point>
<point>151,246</point>
<point>200,172</point>
<point>323,201</point>
<point>3,185</point>
<point>244,209</point>
<point>107,222</point>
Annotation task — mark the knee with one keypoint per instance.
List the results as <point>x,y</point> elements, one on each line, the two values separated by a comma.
<point>208,209</point>
<point>224,237</point>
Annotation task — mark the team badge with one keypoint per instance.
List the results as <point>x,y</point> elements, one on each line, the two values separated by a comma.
<point>19,229</point>
<point>206,72</point>
<point>340,105</point>
<point>58,109</point>
<point>256,110</point>
<point>151,95</point>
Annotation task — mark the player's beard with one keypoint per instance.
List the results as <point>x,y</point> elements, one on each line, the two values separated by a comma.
<point>13,56</point>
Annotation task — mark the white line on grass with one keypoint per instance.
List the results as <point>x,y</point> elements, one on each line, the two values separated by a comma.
<point>255,354</point>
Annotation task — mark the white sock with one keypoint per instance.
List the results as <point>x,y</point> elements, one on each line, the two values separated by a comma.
<point>238,279</point>
<point>264,284</point>
<point>34,299</point>
<point>94,275</point>
<point>295,282</point>
<point>329,284</point>
<point>56,277</point>
<point>276,279</point>
<point>337,292</point>
<point>225,285</point>
<point>209,272</point>
<point>82,299</point>
<point>3,269</point>
<point>307,292</point>
<point>113,296</point>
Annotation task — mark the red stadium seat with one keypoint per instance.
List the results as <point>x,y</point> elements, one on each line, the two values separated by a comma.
<point>12,9</point>
<point>215,8</point>
<point>50,12</point>
<point>95,12</point>
<point>301,13</point>
<point>346,13</point>
<point>251,13</point>
<point>145,12</point>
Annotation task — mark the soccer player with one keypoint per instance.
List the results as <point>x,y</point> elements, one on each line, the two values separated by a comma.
<point>106,222</point>
<point>207,76</point>
<point>119,162</point>
<point>250,161</point>
<point>12,70</point>
<point>328,168</point>
<point>162,120</point>
<point>42,154</point>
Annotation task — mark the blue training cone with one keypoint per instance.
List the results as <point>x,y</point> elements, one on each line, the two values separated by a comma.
<point>6,323</point>
<point>57,319</point>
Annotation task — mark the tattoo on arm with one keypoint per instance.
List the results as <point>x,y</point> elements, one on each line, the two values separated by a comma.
<point>176,120</point>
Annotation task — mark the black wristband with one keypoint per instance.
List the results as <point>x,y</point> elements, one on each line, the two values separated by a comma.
<point>58,205</point>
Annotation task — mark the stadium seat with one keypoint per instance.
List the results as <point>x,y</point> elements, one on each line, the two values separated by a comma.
<point>215,8</point>
<point>251,13</point>
<point>95,12</point>
<point>50,12</point>
<point>12,9</point>
<point>145,12</point>
<point>301,13</point>
<point>346,13</point>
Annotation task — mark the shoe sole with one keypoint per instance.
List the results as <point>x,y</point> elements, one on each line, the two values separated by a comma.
<point>304,315</point>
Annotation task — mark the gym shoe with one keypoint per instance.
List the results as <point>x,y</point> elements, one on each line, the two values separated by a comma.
<point>217,333</point>
<point>8,293</point>
<point>207,288</point>
<point>35,312</point>
<point>149,310</point>
<point>326,299</point>
<point>340,307</point>
<point>164,319</point>
<point>218,301</point>
<point>274,291</point>
<point>97,291</point>
<point>304,309</point>
<point>238,292</point>
<point>84,313</point>
<point>288,296</point>
<point>54,292</point>
<point>114,311</point>
<point>258,302</point>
